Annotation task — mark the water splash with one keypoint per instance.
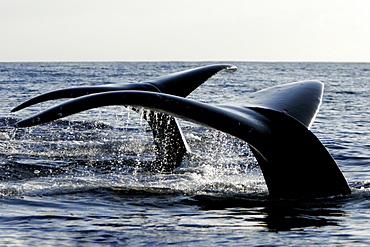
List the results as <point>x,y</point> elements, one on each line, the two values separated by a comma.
<point>75,155</point>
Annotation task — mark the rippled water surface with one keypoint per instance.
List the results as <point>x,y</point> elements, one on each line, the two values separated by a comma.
<point>80,181</point>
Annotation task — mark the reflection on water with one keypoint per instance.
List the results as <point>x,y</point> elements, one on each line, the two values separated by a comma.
<point>275,215</point>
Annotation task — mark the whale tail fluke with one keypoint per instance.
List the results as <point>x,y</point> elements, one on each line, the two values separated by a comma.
<point>180,83</point>
<point>170,144</point>
<point>274,122</point>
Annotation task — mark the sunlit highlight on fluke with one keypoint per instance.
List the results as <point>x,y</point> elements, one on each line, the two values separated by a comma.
<point>274,122</point>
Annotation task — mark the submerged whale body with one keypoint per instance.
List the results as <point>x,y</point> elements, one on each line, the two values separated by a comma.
<point>274,122</point>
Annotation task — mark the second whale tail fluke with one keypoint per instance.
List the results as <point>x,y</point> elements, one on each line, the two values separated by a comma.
<point>180,83</point>
<point>274,122</point>
<point>170,144</point>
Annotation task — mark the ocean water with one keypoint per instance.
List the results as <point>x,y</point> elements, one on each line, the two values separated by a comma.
<point>79,181</point>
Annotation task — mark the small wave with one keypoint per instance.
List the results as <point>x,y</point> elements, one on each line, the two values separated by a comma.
<point>348,92</point>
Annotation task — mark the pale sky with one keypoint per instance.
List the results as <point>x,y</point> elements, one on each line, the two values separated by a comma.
<point>187,30</point>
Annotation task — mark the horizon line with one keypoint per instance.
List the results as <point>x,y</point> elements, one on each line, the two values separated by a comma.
<point>178,61</point>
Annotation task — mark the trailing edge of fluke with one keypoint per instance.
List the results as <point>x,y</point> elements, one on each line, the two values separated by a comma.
<point>274,122</point>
